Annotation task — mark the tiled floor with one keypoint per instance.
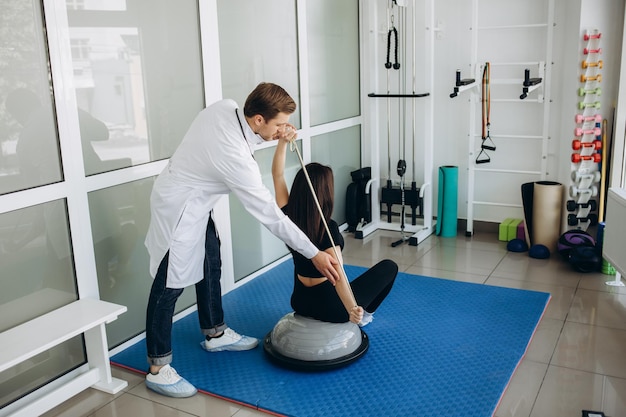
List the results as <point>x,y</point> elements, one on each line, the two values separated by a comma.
<point>576,361</point>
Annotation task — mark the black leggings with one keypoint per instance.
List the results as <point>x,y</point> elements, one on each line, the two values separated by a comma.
<point>321,301</point>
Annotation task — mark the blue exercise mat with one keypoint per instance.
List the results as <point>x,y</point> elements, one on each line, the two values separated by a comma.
<point>437,348</point>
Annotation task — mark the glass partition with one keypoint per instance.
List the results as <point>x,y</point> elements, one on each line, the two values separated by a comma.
<point>137,89</point>
<point>29,145</point>
<point>341,151</point>
<point>333,49</point>
<point>253,244</point>
<point>258,42</point>
<point>37,277</point>
<point>119,223</point>
<point>35,251</point>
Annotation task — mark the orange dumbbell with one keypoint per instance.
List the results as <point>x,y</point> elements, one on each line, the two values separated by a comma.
<point>598,64</point>
<point>584,78</point>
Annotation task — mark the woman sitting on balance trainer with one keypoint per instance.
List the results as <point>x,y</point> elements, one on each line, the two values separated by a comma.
<point>313,295</point>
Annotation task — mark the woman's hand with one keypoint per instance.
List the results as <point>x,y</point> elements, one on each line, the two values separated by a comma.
<point>356,314</point>
<point>288,133</point>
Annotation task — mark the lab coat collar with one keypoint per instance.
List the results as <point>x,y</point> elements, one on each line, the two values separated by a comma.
<point>251,137</point>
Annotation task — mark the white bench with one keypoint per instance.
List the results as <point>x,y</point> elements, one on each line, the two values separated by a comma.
<point>86,316</point>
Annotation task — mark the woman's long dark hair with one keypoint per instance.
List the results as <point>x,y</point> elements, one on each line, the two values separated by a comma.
<point>301,207</point>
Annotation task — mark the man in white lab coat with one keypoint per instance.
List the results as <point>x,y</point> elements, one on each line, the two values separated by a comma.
<point>213,159</point>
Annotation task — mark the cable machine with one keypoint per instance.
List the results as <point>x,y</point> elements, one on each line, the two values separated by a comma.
<point>396,192</point>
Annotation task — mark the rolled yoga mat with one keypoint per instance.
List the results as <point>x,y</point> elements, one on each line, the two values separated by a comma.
<point>447,202</point>
<point>542,202</point>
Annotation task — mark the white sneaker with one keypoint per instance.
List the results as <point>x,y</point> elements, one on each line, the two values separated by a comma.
<point>230,340</point>
<point>367,319</point>
<point>168,382</point>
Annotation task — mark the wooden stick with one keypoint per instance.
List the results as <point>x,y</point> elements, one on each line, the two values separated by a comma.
<point>603,173</point>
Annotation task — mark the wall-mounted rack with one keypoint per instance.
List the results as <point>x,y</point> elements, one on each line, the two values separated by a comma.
<point>462,84</point>
<point>530,84</point>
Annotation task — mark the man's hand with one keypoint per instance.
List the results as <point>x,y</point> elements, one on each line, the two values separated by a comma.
<point>325,263</point>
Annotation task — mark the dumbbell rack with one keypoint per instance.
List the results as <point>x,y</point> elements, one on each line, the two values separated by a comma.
<point>587,143</point>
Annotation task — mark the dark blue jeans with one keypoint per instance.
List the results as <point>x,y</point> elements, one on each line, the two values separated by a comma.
<point>162,301</point>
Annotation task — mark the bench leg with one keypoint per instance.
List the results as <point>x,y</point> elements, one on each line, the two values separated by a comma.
<point>98,358</point>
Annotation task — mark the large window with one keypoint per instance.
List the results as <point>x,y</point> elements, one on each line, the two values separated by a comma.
<point>129,89</point>
<point>137,72</point>
<point>35,251</point>
<point>340,151</point>
<point>29,146</point>
<point>329,93</point>
<point>138,76</point>
<point>333,46</point>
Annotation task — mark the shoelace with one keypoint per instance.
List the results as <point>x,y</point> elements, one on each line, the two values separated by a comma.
<point>170,375</point>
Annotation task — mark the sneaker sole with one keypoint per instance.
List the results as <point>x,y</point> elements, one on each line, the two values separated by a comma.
<point>231,348</point>
<point>160,390</point>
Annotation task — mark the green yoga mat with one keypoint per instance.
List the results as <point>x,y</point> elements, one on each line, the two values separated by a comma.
<point>447,211</point>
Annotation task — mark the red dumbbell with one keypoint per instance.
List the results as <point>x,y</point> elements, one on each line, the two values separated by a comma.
<point>582,119</point>
<point>577,144</point>
<point>584,78</point>
<point>580,131</point>
<point>595,157</point>
<point>588,36</point>
<point>588,51</point>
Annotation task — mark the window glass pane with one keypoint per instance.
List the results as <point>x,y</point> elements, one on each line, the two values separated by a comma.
<point>333,46</point>
<point>272,57</point>
<point>137,89</point>
<point>253,245</point>
<point>340,150</point>
<point>119,223</point>
<point>274,60</point>
<point>29,146</point>
<point>37,277</point>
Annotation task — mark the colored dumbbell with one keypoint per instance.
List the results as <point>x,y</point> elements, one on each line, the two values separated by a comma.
<point>596,131</point>
<point>575,191</point>
<point>577,145</point>
<point>598,64</point>
<point>582,119</point>
<point>593,176</point>
<point>573,219</point>
<point>573,205</point>
<point>584,78</point>
<point>588,36</point>
<point>582,105</point>
<point>597,91</point>
<point>576,157</point>
<point>588,51</point>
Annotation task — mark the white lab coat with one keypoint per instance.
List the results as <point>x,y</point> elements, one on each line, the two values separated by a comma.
<point>213,159</point>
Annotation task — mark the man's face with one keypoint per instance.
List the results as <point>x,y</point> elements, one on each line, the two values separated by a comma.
<point>271,129</point>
